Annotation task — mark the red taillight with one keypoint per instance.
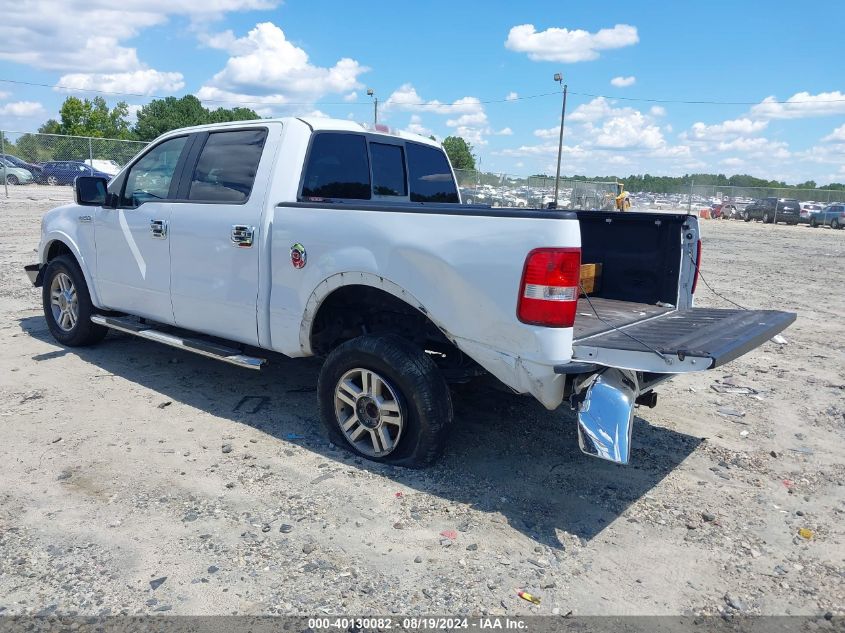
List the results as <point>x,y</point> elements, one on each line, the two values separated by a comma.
<point>697,266</point>
<point>548,294</point>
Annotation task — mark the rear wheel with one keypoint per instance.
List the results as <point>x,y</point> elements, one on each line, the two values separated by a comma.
<point>67,304</point>
<point>384,398</point>
<point>813,223</point>
<point>746,216</point>
<point>834,224</point>
<point>52,180</point>
<point>11,179</point>
<point>766,219</point>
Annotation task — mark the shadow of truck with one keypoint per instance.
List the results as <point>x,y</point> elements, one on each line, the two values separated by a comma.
<point>506,454</point>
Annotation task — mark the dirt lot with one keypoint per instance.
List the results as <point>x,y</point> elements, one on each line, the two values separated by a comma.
<point>115,495</point>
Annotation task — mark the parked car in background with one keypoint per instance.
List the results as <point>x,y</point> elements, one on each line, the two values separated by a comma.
<point>32,168</point>
<point>14,175</point>
<point>64,172</point>
<point>807,210</point>
<point>833,215</point>
<point>105,166</point>
<point>723,211</point>
<point>773,209</point>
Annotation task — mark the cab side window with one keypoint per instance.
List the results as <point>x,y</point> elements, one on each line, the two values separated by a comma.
<point>149,179</point>
<point>337,167</point>
<point>227,166</point>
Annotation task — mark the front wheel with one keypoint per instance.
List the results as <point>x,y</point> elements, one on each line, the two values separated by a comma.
<point>813,223</point>
<point>67,304</point>
<point>766,219</point>
<point>52,180</point>
<point>746,216</point>
<point>384,398</point>
<point>834,224</point>
<point>11,179</point>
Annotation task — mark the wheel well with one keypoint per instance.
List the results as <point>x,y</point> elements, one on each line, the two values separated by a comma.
<point>58,248</point>
<point>354,310</point>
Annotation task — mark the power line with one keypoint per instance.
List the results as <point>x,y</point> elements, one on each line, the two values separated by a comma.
<point>421,104</point>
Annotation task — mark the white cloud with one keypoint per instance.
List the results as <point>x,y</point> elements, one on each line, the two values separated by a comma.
<point>732,162</point>
<point>756,147</point>
<point>563,45</point>
<point>416,127</point>
<point>22,109</point>
<point>352,96</point>
<point>837,136</point>
<point>70,35</point>
<point>657,111</point>
<point>407,98</point>
<point>145,82</point>
<point>549,132</point>
<point>505,131</point>
<point>265,67</point>
<point>594,110</point>
<point>628,129</point>
<point>726,129</point>
<point>800,105</point>
<point>623,82</point>
<point>469,118</point>
<point>4,95</point>
<point>511,96</point>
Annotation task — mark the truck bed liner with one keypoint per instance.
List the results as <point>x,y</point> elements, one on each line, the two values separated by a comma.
<point>605,314</point>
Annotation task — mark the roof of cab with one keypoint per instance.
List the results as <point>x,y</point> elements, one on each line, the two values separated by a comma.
<point>319,124</point>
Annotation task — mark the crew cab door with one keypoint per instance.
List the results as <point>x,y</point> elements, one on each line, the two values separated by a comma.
<point>133,241</point>
<point>214,233</point>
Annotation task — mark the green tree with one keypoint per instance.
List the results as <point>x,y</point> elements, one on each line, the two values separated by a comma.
<point>81,117</point>
<point>459,152</point>
<point>162,115</point>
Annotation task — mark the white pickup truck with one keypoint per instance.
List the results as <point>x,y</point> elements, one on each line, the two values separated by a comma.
<point>320,237</point>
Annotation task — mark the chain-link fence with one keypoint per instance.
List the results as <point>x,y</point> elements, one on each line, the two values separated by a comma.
<point>507,190</point>
<point>46,164</point>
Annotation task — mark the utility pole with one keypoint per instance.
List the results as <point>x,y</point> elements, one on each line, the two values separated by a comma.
<point>371,93</point>
<point>559,79</point>
<point>3,151</point>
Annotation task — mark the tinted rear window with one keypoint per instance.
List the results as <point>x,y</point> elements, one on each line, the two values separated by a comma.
<point>338,167</point>
<point>388,170</point>
<point>226,168</point>
<point>429,175</point>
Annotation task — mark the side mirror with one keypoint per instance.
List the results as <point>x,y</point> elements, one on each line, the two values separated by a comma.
<point>91,191</point>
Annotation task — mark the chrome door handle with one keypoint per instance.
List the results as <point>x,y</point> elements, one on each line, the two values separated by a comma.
<point>158,229</point>
<point>242,236</point>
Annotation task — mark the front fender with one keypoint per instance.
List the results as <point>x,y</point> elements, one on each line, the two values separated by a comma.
<point>56,235</point>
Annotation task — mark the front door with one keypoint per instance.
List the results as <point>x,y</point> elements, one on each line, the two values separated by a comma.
<point>214,241</point>
<point>133,240</point>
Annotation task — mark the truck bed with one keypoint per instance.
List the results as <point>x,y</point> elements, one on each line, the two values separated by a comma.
<point>606,314</point>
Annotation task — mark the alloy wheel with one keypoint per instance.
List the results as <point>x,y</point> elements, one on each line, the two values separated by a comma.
<point>368,411</point>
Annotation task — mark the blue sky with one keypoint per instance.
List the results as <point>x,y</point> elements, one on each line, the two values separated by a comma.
<point>474,69</point>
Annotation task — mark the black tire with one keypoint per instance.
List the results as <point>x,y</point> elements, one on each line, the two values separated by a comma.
<point>834,224</point>
<point>424,398</point>
<point>11,179</point>
<point>766,218</point>
<point>52,181</point>
<point>83,332</point>
<point>813,223</point>
<point>746,216</point>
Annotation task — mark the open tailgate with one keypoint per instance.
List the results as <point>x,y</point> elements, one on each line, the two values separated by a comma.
<point>694,339</point>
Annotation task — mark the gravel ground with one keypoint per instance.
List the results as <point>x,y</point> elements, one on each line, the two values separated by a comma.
<point>138,479</point>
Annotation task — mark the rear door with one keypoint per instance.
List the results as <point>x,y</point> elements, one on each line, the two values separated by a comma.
<point>214,233</point>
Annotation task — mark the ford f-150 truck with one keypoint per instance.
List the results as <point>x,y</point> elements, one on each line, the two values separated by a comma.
<point>319,237</point>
